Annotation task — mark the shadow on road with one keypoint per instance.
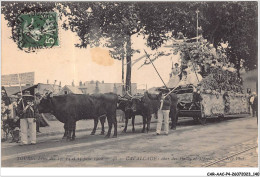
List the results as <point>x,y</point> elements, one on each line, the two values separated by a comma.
<point>188,121</point>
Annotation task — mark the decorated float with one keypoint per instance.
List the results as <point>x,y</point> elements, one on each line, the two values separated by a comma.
<point>207,85</point>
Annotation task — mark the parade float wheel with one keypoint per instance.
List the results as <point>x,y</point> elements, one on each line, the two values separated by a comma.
<point>196,119</point>
<point>201,120</point>
<point>220,118</point>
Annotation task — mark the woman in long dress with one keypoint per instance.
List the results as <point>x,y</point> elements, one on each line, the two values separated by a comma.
<point>174,76</point>
<point>193,77</point>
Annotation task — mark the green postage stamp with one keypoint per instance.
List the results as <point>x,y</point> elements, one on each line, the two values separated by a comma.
<point>38,30</point>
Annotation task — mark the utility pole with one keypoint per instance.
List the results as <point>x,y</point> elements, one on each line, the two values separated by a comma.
<point>197,12</point>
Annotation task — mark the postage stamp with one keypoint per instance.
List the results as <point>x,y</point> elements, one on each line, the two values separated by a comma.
<point>38,30</point>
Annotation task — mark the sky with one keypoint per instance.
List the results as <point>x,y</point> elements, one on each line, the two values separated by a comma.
<point>66,63</point>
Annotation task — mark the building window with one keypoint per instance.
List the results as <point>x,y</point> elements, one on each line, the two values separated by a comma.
<point>65,92</point>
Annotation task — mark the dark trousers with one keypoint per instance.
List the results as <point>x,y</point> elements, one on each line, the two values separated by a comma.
<point>38,122</point>
<point>37,126</point>
<point>254,110</point>
<point>174,118</point>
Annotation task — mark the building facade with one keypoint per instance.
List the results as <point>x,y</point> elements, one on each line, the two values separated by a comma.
<point>101,87</point>
<point>41,88</point>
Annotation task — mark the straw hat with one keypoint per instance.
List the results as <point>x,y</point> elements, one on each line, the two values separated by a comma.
<point>27,96</point>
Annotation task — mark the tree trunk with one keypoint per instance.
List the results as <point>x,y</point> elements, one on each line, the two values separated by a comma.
<point>123,72</point>
<point>129,64</point>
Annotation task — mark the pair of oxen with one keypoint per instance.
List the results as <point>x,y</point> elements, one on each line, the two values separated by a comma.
<point>68,109</point>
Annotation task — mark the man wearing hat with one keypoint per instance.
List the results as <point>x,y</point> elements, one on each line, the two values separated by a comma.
<point>163,114</point>
<point>19,95</point>
<point>253,103</point>
<point>26,112</point>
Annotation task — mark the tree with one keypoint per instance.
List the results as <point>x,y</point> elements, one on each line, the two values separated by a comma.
<point>118,52</point>
<point>117,22</point>
<point>114,22</point>
<point>242,34</point>
<point>236,24</point>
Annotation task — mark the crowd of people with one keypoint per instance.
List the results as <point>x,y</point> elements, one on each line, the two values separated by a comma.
<point>20,118</point>
<point>182,77</point>
<point>212,78</point>
<point>200,59</point>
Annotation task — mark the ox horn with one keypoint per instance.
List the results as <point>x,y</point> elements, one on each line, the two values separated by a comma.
<point>122,98</point>
<point>127,93</point>
<point>48,94</point>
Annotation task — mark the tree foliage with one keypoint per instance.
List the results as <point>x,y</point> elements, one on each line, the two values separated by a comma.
<point>235,23</point>
<point>114,23</point>
<point>231,22</point>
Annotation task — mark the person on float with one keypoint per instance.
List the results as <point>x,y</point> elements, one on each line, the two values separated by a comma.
<point>197,68</point>
<point>229,67</point>
<point>219,64</point>
<point>225,67</point>
<point>232,68</point>
<point>174,76</point>
<point>214,64</point>
<point>193,77</point>
<point>189,68</point>
<point>206,66</point>
<point>26,112</point>
<point>213,50</point>
<point>183,81</point>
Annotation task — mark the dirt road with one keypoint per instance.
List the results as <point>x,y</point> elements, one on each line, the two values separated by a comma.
<point>191,145</point>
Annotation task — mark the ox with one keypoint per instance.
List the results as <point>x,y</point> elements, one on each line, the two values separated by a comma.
<point>143,106</point>
<point>125,104</point>
<point>68,109</point>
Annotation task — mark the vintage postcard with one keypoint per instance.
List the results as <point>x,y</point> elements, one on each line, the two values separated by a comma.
<point>129,84</point>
